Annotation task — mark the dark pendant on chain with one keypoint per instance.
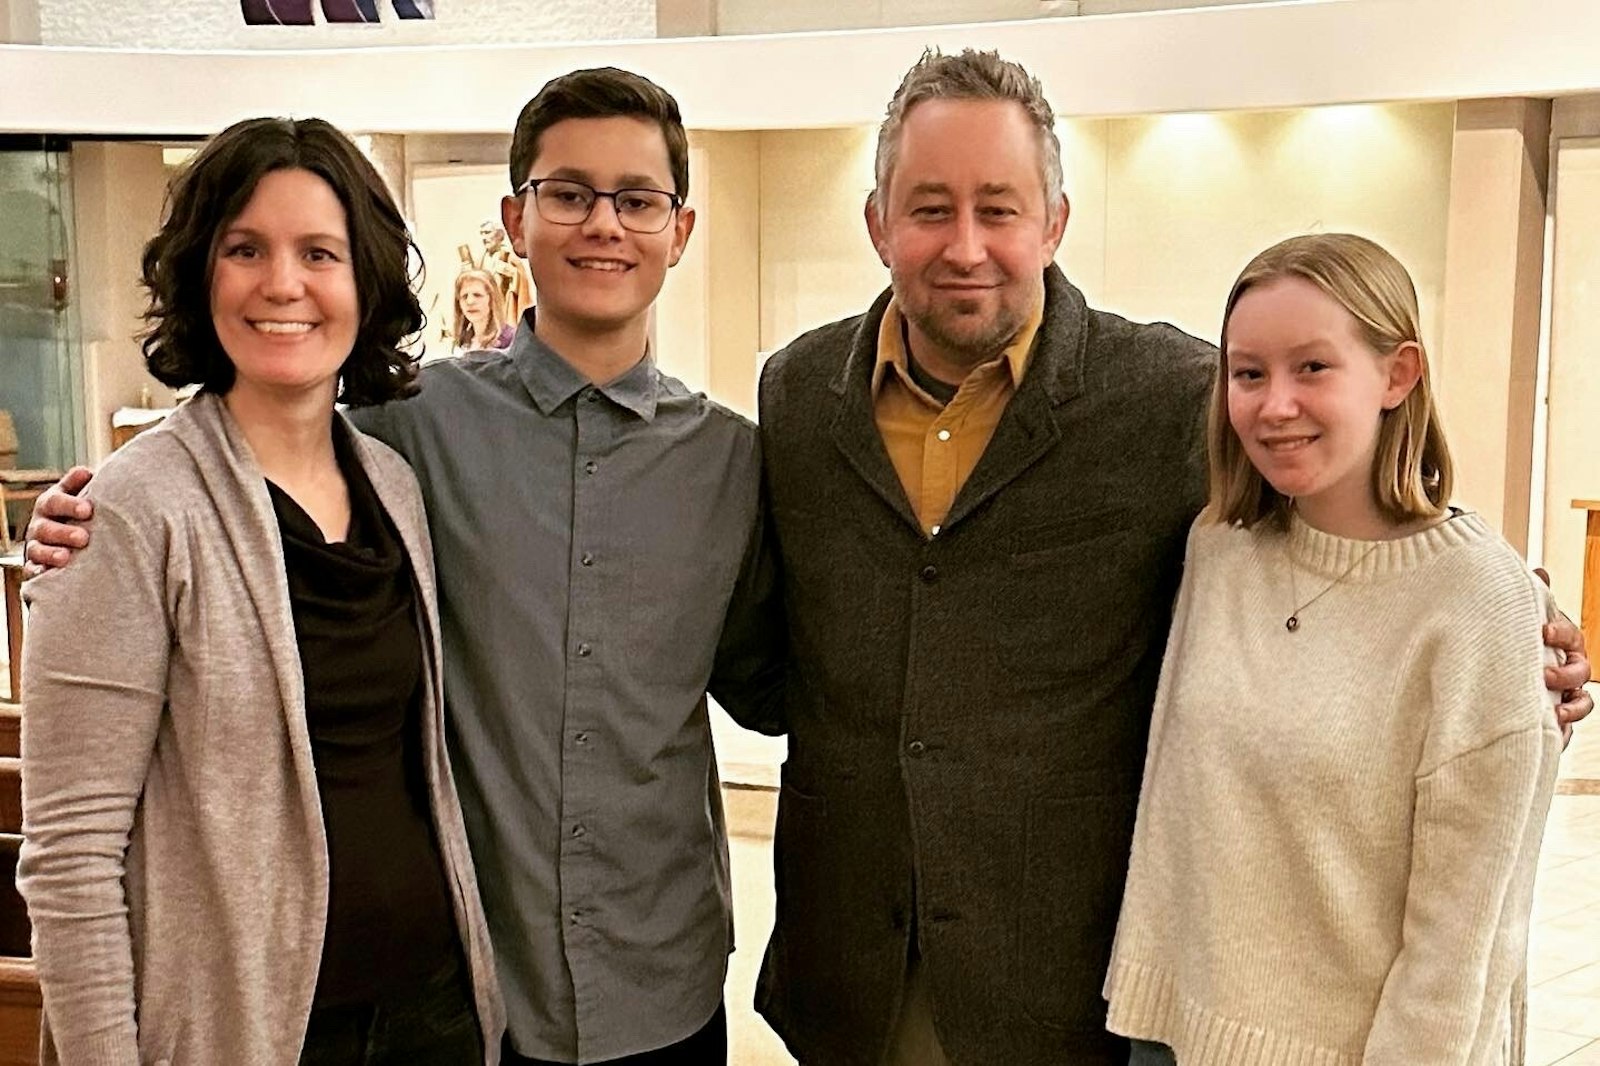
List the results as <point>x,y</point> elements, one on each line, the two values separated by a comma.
<point>1293,623</point>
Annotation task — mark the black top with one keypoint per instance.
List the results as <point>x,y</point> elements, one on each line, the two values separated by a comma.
<point>390,924</point>
<point>942,391</point>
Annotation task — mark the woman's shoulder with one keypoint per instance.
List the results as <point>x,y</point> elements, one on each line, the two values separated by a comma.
<point>1211,540</point>
<point>1483,578</point>
<point>153,475</point>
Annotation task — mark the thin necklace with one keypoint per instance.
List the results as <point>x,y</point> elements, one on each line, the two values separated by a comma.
<point>1292,623</point>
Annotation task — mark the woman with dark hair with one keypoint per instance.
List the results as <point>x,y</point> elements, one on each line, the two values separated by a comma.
<point>480,323</point>
<point>241,837</point>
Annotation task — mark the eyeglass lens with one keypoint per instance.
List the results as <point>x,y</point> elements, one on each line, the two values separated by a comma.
<point>570,203</point>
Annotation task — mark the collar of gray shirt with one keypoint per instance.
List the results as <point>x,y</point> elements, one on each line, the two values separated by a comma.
<point>552,381</point>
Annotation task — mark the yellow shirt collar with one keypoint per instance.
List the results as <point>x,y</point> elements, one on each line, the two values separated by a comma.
<point>892,346</point>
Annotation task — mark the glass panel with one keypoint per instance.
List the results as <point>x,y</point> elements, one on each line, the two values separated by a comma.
<point>41,368</point>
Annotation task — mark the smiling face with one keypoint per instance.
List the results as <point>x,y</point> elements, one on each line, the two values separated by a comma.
<point>596,280</point>
<point>965,230</point>
<point>283,293</point>
<point>1306,395</point>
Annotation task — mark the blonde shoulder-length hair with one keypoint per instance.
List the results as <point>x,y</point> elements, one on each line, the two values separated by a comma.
<point>1412,473</point>
<point>464,334</point>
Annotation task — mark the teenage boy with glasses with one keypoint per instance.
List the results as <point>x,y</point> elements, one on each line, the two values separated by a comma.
<point>602,568</point>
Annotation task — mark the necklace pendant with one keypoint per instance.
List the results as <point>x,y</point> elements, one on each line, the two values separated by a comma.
<point>1292,623</point>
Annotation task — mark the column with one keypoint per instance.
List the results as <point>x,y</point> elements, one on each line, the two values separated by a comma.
<point>1487,358</point>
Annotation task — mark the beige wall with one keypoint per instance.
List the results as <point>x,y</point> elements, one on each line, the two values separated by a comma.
<point>1487,359</point>
<point>1190,198</point>
<point>1165,210</point>
<point>728,189</point>
<point>1572,454</point>
<point>117,189</point>
<point>817,263</point>
<point>681,326</point>
<point>763,16</point>
<point>700,17</point>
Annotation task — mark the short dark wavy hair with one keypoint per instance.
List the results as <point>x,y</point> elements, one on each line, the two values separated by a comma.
<point>180,341</point>
<point>600,92</point>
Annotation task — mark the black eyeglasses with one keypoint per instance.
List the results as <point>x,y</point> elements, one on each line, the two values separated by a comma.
<point>570,203</point>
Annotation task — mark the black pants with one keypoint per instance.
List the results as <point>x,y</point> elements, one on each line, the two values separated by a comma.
<point>1148,1054</point>
<point>708,1047</point>
<point>437,1025</point>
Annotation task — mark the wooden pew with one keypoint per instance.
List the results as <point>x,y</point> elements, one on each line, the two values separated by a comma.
<point>10,732</point>
<point>20,1008</point>
<point>20,1002</point>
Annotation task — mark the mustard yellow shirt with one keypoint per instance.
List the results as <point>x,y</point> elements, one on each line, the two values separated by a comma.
<point>934,448</point>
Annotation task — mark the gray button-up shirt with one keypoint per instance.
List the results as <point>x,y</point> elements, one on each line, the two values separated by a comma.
<point>601,565</point>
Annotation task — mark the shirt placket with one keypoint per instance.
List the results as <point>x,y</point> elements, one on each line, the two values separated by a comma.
<point>583,733</point>
<point>941,453</point>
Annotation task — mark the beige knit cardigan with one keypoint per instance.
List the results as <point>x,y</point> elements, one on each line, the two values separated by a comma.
<point>174,858</point>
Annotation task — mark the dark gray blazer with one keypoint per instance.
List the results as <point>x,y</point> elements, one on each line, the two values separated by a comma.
<point>968,713</point>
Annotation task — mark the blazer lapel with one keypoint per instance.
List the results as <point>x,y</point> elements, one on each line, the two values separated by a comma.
<point>1029,428</point>
<point>855,425</point>
<point>1026,431</point>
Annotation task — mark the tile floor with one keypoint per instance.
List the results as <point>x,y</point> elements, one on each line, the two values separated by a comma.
<point>1564,945</point>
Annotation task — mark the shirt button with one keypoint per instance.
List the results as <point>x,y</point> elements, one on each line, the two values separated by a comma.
<point>933,531</point>
<point>578,831</point>
<point>590,467</point>
<point>580,738</point>
<point>930,574</point>
<point>944,434</point>
<point>588,559</point>
<point>592,397</point>
<point>916,747</point>
<point>584,650</point>
<point>577,918</point>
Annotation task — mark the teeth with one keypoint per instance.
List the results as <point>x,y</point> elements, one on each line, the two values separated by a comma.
<point>601,264</point>
<point>1287,445</point>
<point>282,327</point>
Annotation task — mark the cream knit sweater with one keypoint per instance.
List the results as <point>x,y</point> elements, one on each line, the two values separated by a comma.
<point>1339,826</point>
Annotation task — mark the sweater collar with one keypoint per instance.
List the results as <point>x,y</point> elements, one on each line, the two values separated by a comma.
<point>1350,560</point>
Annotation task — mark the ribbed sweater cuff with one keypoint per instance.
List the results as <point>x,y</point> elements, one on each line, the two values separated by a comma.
<point>1144,1003</point>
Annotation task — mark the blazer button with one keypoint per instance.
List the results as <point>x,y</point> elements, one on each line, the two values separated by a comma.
<point>930,574</point>
<point>916,747</point>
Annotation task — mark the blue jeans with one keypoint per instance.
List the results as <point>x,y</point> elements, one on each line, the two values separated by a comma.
<point>438,1025</point>
<point>1148,1054</point>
